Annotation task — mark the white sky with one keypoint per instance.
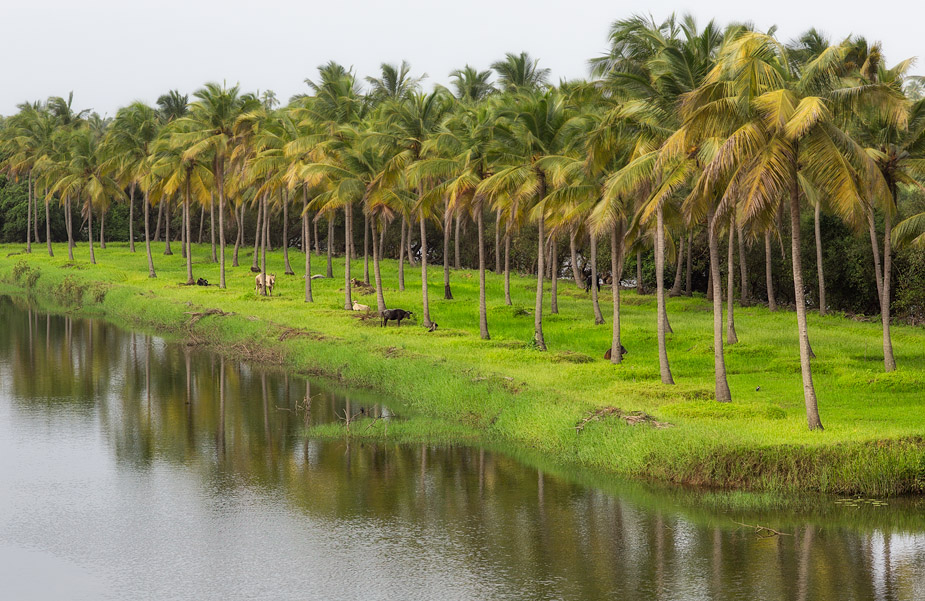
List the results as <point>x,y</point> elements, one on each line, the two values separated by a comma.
<point>111,52</point>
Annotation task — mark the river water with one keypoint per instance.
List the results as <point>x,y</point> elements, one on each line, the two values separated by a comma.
<point>134,468</point>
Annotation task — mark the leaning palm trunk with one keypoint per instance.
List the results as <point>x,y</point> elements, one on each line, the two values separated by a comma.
<point>598,316</point>
<point>809,391</point>
<point>151,273</point>
<point>167,216</point>
<point>202,224</point>
<point>348,227</point>
<point>663,365</point>
<point>258,234</point>
<point>507,269</point>
<point>377,276</point>
<point>131,218</point>
<point>679,265</point>
<point>330,244</point>
<point>731,337</point>
<point>214,257</point>
<point>456,261</point>
<point>103,228</point>
<point>719,362</point>
<point>183,214</point>
<point>573,255</point>
<point>772,302</point>
<point>35,212</point>
<point>616,268</point>
<point>284,198</point>
<point>447,222</point>
<point>238,213</point>
<point>540,270</point>
<point>366,248</point>
<point>876,252</point>
<point>401,258</point>
<point>554,276</point>
<point>189,247</point>
<point>889,362</point>
<point>427,322</point>
<point>819,270</point>
<point>483,307</point>
<point>160,215</point>
<point>317,239</point>
<point>307,247</point>
<point>90,229</point>
<point>51,253</point>
<point>687,281</point>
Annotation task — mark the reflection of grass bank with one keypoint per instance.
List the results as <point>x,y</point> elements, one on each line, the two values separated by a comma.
<point>503,392</point>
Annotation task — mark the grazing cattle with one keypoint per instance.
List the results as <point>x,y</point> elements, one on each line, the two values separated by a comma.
<point>588,282</point>
<point>609,354</point>
<point>433,327</point>
<point>202,282</point>
<point>358,307</point>
<point>271,281</point>
<point>394,314</point>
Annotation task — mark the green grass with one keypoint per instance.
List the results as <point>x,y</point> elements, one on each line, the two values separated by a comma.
<point>503,391</point>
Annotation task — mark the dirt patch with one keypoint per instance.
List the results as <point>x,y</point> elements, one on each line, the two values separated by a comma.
<point>632,418</point>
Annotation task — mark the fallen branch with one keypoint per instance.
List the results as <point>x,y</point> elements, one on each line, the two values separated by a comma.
<point>762,531</point>
<point>196,316</point>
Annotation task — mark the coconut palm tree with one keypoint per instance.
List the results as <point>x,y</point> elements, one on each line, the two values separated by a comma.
<point>520,73</point>
<point>208,132</point>
<point>471,85</point>
<point>394,83</point>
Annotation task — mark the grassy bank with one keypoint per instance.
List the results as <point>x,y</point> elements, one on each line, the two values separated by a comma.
<point>503,391</point>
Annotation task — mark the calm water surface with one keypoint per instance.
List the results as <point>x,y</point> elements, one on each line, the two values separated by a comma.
<point>129,469</point>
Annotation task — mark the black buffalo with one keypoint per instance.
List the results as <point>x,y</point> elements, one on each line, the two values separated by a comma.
<point>394,314</point>
<point>609,353</point>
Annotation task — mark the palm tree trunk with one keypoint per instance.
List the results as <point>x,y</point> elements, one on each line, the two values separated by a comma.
<point>401,257</point>
<point>238,213</point>
<point>377,275</point>
<point>554,276</point>
<point>131,218</point>
<point>447,223</point>
<point>663,366</point>
<point>497,240</point>
<point>258,234</point>
<point>598,316</point>
<point>427,323</point>
<point>819,269</point>
<point>102,228</point>
<point>889,362</point>
<point>366,247</point>
<point>284,198</point>
<point>745,292</point>
<point>382,234</point>
<point>189,246</point>
<point>809,391</point>
<point>710,287</point>
<point>157,228</point>
<point>875,245</point>
<point>411,260</point>
<point>183,215</point>
<point>69,221</point>
<point>90,229</point>
<point>676,287</point>
<point>307,246</point>
<point>540,270</point>
<point>731,337</point>
<point>220,179</point>
<point>348,229</point>
<point>483,307</point>
<point>264,242</point>
<point>330,244</point>
<point>456,262</point>
<point>202,224</point>
<point>317,239</point>
<point>51,253</point>
<point>507,269</point>
<point>722,393</point>
<point>573,254</point>
<point>687,281</point>
<point>639,289</point>
<point>35,213</point>
<point>151,273</point>
<point>214,257</point>
<point>769,276</point>
<point>29,215</point>
<point>167,216</point>
<point>616,268</point>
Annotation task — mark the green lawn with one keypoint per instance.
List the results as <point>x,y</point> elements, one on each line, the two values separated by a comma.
<point>503,391</point>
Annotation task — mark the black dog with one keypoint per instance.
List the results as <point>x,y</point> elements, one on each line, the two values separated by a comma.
<point>608,354</point>
<point>394,314</point>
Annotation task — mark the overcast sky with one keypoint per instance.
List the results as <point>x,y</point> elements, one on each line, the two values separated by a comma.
<point>111,52</point>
